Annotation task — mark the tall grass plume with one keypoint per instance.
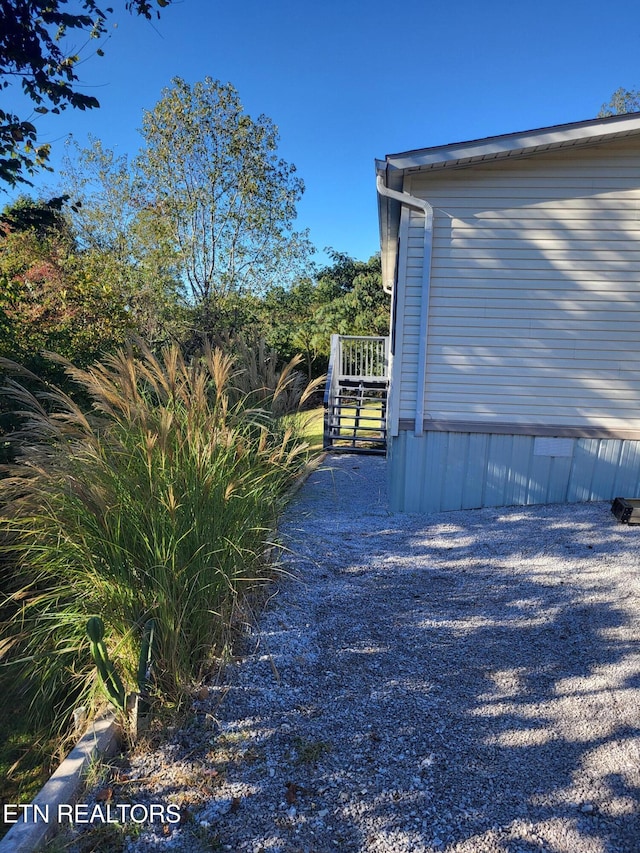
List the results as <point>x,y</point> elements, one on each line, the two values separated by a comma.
<point>158,503</point>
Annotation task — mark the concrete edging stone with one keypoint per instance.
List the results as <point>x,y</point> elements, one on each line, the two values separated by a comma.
<point>102,738</point>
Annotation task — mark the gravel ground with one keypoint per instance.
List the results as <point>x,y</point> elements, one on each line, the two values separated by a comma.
<point>463,681</point>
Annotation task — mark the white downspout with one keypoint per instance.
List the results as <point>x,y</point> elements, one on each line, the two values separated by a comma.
<point>427,210</point>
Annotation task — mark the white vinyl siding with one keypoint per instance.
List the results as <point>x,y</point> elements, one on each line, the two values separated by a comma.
<point>534,316</point>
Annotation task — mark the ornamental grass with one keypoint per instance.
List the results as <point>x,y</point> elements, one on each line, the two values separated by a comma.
<point>159,502</point>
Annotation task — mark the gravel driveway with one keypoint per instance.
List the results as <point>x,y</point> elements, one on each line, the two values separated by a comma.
<point>462,681</point>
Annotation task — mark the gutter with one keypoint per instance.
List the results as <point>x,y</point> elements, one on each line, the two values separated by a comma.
<point>426,209</point>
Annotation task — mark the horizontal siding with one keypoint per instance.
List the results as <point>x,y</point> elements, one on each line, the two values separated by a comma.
<point>455,470</point>
<point>534,315</point>
<point>510,362</point>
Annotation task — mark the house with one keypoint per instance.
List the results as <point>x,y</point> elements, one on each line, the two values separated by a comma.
<point>514,263</point>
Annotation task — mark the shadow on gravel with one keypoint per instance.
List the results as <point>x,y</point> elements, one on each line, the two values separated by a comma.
<point>521,688</point>
<point>476,684</point>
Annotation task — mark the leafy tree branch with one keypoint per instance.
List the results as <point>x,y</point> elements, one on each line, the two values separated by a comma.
<point>622,101</point>
<point>33,50</point>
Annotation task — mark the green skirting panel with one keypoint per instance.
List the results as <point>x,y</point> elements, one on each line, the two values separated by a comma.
<point>458,470</point>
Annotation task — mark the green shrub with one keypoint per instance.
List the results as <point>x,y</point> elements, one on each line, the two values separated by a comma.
<point>159,504</point>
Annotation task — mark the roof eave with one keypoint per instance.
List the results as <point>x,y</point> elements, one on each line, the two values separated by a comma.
<point>514,145</point>
<point>458,155</point>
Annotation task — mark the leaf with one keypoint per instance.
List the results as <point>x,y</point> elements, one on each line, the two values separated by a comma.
<point>292,793</point>
<point>105,795</point>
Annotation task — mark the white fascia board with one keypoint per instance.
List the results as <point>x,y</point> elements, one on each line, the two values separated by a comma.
<point>516,144</point>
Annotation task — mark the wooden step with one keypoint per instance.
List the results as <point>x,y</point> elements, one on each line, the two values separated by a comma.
<point>356,417</point>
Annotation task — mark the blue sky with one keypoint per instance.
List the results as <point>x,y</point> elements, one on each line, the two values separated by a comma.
<point>350,81</point>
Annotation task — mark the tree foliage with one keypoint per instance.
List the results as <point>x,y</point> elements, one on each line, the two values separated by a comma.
<point>192,239</point>
<point>622,101</point>
<point>345,298</point>
<point>197,227</point>
<point>43,217</point>
<point>117,228</point>
<point>33,50</point>
<point>50,297</point>
<point>213,173</point>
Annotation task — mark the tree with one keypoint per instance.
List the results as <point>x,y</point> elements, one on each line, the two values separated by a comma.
<point>50,298</point>
<point>214,174</point>
<point>292,328</point>
<point>124,239</point>
<point>32,50</point>
<point>42,217</point>
<point>622,101</point>
<point>346,298</point>
<point>352,301</point>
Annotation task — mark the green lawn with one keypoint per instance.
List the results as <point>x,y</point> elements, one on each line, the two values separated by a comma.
<point>313,427</point>
<point>24,764</point>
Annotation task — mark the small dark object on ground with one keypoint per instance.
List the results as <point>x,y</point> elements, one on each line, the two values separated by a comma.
<point>626,510</point>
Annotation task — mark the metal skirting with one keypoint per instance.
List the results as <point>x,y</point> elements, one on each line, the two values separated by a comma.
<point>456,470</point>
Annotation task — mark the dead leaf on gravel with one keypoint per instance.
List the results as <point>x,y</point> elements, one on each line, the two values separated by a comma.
<point>292,793</point>
<point>104,795</point>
